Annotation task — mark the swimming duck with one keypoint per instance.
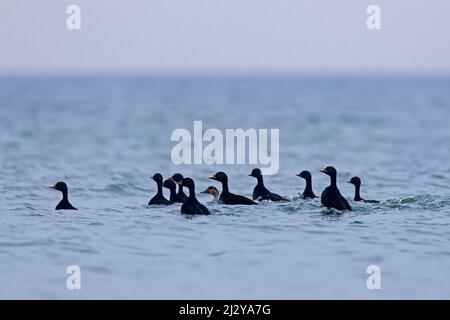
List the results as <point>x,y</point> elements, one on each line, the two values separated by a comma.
<point>64,204</point>
<point>226,196</point>
<point>356,181</point>
<point>159,198</point>
<point>212,191</point>
<point>331,196</point>
<point>260,192</point>
<point>192,205</point>
<point>308,193</point>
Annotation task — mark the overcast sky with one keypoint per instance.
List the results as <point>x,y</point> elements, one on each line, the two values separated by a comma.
<point>225,35</point>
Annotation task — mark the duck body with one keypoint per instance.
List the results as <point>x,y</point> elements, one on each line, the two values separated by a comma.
<point>369,201</point>
<point>260,193</point>
<point>228,198</point>
<point>159,198</point>
<point>308,194</point>
<point>64,204</point>
<point>331,197</point>
<point>192,206</point>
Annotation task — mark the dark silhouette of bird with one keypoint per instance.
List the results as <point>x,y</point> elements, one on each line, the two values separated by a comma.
<point>64,204</point>
<point>331,196</point>
<point>226,196</point>
<point>159,198</point>
<point>260,192</point>
<point>192,205</point>
<point>308,193</point>
<point>356,181</point>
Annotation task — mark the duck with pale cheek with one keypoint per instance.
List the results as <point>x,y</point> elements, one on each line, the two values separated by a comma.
<point>181,196</point>
<point>308,193</point>
<point>226,196</point>
<point>159,198</point>
<point>192,206</point>
<point>212,191</point>
<point>64,204</point>
<point>356,181</point>
<point>331,196</point>
<point>260,192</point>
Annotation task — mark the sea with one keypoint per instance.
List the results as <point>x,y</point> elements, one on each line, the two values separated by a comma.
<point>106,134</point>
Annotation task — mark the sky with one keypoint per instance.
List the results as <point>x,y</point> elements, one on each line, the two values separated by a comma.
<point>225,36</point>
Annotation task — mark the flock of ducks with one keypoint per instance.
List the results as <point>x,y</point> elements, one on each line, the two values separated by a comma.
<point>331,196</point>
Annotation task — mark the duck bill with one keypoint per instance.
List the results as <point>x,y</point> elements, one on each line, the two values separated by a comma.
<point>204,191</point>
<point>298,175</point>
<point>213,178</point>
<point>152,178</point>
<point>323,170</point>
<point>52,187</point>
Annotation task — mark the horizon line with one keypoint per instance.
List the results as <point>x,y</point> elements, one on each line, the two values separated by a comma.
<point>225,73</point>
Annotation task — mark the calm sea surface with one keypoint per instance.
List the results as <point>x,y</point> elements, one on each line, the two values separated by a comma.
<point>105,136</point>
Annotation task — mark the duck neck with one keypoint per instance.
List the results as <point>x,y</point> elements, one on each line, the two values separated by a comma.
<point>225,187</point>
<point>160,192</point>
<point>180,190</point>
<point>260,181</point>
<point>191,193</point>
<point>65,195</point>
<point>308,188</point>
<point>333,180</point>
<point>357,193</point>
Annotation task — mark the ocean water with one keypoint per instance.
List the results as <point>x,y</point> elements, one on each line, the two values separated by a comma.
<point>105,135</point>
